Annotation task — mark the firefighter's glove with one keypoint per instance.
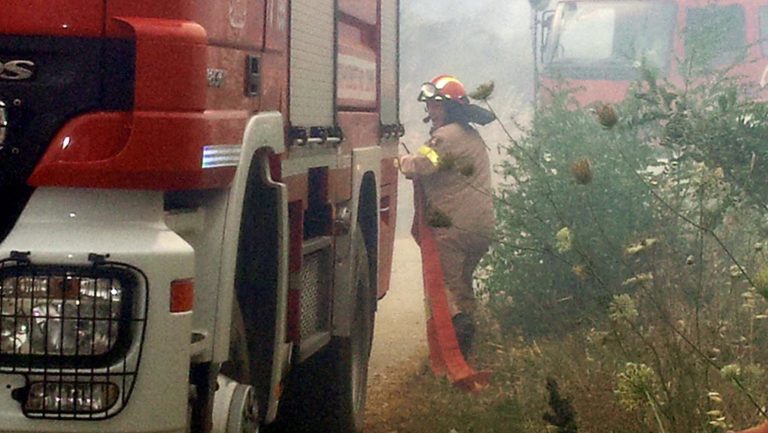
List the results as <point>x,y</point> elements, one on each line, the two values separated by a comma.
<point>412,165</point>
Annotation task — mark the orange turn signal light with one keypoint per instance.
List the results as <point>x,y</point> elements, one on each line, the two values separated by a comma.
<point>182,295</point>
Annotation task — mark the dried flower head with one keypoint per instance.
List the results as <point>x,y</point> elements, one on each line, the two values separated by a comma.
<point>483,91</point>
<point>735,271</point>
<point>713,353</point>
<point>714,397</point>
<point>640,278</point>
<point>582,171</point>
<point>564,239</point>
<point>640,246</point>
<point>719,422</point>
<point>606,115</point>
<point>731,371</point>
<point>716,417</point>
<point>622,308</point>
<point>636,385</point>
<point>749,299</point>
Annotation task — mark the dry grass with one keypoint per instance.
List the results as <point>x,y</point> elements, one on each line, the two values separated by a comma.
<point>409,399</point>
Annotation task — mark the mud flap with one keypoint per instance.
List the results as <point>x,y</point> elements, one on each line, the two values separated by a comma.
<point>444,354</point>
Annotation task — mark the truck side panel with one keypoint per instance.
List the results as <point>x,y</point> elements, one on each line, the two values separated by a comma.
<point>312,63</point>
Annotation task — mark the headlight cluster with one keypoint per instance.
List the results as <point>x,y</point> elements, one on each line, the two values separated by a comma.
<point>68,397</point>
<point>69,330</point>
<point>59,314</point>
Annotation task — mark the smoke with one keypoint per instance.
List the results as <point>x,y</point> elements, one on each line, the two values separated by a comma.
<point>476,41</point>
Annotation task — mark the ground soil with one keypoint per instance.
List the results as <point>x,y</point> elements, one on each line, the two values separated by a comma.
<point>399,345</point>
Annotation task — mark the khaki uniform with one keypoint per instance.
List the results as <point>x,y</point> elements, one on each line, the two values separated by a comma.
<point>454,170</point>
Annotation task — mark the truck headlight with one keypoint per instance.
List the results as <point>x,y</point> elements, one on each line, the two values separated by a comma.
<point>75,333</point>
<point>64,313</point>
<point>70,397</point>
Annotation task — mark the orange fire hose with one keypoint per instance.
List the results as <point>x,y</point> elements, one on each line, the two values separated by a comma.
<point>444,354</point>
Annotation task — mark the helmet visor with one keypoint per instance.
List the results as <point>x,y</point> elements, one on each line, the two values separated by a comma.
<point>429,91</point>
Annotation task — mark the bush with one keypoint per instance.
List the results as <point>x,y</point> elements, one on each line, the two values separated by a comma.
<point>631,238</point>
<point>571,204</point>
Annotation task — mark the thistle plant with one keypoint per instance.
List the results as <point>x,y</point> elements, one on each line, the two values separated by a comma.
<point>622,308</point>
<point>564,240</point>
<point>637,387</point>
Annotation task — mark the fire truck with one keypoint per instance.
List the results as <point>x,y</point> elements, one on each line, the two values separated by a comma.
<point>598,46</point>
<point>197,205</point>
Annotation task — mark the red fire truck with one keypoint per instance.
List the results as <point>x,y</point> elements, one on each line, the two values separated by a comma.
<point>197,204</point>
<point>596,46</point>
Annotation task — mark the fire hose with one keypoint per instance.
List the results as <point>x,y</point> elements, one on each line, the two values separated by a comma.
<point>444,354</point>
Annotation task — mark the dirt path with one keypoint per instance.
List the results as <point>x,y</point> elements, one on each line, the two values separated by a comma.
<point>400,331</point>
<point>399,344</point>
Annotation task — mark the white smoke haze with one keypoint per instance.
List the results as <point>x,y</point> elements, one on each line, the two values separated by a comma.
<point>476,41</point>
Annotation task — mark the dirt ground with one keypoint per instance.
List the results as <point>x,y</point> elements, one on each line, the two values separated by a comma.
<point>399,344</point>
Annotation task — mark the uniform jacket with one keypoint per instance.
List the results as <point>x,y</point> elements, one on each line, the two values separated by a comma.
<point>454,170</point>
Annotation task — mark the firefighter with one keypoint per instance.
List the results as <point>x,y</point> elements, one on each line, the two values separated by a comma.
<point>454,170</point>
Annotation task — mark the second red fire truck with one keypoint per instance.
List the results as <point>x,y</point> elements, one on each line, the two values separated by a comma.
<point>599,46</point>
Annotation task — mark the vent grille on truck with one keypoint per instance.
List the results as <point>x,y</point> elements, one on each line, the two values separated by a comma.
<point>314,286</point>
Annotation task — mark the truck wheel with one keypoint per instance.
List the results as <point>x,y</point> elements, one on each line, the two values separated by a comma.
<point>327,393</point>
<point>355,352</point>
<point>235,406</point>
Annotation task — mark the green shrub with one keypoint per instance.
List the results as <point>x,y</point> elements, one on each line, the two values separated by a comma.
<point>570,206</point>
<point>630,238</point>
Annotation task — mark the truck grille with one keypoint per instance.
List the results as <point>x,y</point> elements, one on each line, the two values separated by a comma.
<point>314,286</point>
<point>69,331</point>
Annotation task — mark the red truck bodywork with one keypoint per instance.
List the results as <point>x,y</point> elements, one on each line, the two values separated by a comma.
<point>610,89</point>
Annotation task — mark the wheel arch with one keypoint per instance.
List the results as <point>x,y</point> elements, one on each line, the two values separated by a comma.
<point>263,137</point>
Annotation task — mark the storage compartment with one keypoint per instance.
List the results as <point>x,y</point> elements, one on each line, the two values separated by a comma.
<point>389,58</point>
<point>312,64</point>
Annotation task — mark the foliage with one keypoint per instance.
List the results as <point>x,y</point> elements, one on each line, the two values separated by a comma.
<point>630,238</point>
<point>570,206</point>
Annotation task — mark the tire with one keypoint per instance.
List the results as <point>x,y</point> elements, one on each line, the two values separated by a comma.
<point>327,393</point>
<point>236,372</point>
<point>355,352</point>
